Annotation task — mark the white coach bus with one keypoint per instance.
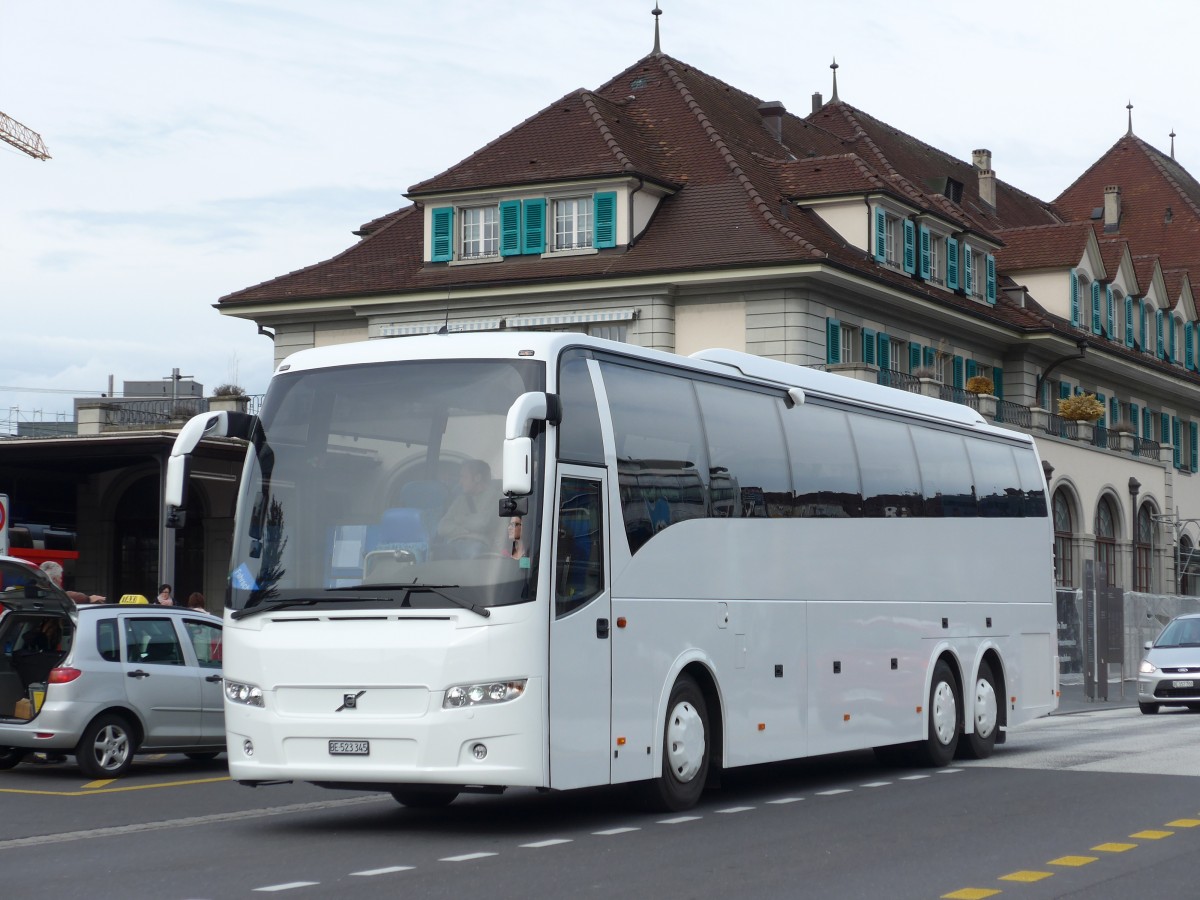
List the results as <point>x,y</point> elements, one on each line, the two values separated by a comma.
<point>467,562</point>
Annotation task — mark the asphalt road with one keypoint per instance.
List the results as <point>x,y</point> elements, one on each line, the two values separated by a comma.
<point>1099,804</point>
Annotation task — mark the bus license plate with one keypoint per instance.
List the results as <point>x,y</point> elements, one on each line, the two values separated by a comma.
<point>1182,684</point>
<point>349,748</point>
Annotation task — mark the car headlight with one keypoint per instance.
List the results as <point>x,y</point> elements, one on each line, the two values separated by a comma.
<point>1147,667</point>
<point>461,695</point>
<point>246,694</point>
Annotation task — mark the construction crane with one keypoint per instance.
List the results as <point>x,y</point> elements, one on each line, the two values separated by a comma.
<point>24,139</point>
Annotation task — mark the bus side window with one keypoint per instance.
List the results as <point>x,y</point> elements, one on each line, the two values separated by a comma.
<point>824,465</point>
<point>888,465</point>
<point>579,553</point>
<point>579,431</point>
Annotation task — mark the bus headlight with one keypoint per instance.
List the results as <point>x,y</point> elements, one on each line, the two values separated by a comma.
<point>461,695</point>
<point>246,694</point>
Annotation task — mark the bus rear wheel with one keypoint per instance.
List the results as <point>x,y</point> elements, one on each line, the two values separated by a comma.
<point>945,719</point>
<point>686,750</point>
<point>986,719</point>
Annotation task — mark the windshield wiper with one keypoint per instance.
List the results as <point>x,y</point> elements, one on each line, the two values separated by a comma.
<point>268,605</point>
<point>415,588</point>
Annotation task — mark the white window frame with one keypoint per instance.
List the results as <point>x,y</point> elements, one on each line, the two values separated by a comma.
<point>479,232</point>
<point>978,273</point>
<point>848,352</point>
<point>893,240</point>
<point>937,262</point>
<point>574,223</point>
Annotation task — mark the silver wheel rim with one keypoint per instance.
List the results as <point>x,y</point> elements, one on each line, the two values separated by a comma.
<point>944,714</point>
<point>685,741</point>
<point>986,708</point>
<point>111,748</point>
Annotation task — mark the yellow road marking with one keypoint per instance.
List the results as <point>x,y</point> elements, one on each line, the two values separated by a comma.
<point>1152,835</point>
<point>1072,861</point>
<point>1027,876</point>
<point>1184,823</point>
<point>104,782</point>
<point>1114,848</point>
<point>116,790</point>
<point>970,894</point>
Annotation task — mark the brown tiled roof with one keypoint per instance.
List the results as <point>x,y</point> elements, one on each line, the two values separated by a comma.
<point>1042,246</point>
<point>1111,252</point>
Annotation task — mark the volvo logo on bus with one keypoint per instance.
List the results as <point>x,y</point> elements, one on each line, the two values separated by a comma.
<point>349,701</point>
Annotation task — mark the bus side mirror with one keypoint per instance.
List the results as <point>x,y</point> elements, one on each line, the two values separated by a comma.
<point>534,406</point>
<point>179,465</point>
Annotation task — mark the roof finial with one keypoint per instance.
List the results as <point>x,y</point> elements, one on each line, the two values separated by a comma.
<point>834,66</point>
<point>1172,143</point>
<point>1129,106</point>
<point>656,12</point>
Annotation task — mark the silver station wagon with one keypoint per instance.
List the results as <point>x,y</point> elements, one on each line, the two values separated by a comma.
<point>104,681</point>
<point>1170,671</point>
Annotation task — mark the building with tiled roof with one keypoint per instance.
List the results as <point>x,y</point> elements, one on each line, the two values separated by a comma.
<point>669,209</point>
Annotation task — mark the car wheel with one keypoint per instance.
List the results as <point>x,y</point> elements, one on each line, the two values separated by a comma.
<point>203,757</point>
<point>686,750</point>
<point>11,756</point>
<point>945,719</point>
<point>424,799</point>
<point>1148,709</point>
<point>106,748</point>
<point>986,719</point>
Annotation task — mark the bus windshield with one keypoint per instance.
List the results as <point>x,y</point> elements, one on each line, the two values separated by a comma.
<point>378,485</point>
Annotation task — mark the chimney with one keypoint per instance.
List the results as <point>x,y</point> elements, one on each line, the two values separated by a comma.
<point>982,160</point>
<point>817,103</point>
<point>1112,207</point>
<point>772,115</point>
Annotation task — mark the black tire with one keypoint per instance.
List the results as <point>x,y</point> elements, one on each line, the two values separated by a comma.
<point>207,756</point>
<point>11,756</point>
<point>687,750</point>
<point>424,799</point>
<point>894,756</point>
<point>986,719</point>
<point>107,747</point>
<point>945,719</point>
<point>1148,709</point>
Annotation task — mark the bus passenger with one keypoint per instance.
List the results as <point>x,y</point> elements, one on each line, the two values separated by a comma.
<point>470,526</point>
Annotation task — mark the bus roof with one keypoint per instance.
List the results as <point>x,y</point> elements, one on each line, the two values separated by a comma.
<point>547,345</point>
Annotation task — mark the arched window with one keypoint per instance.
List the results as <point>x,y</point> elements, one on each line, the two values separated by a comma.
<point>1063,532</point>
<point>1106,542</point>
<point>1143,550</point>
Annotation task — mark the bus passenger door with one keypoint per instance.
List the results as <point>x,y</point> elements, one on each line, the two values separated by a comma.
<point>580,658</point>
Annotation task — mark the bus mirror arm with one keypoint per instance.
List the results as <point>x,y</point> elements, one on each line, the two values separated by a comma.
<point>514,506</point>
<point>796,396</point>
<point>179,464</point>
<point>530,407</point>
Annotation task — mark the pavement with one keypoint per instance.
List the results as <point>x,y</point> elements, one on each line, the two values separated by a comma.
<point>1072,698</point>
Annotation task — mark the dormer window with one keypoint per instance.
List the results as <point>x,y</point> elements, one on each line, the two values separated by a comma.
<point>895,240</point>
<point>573,223</point>
<point>480,232</point>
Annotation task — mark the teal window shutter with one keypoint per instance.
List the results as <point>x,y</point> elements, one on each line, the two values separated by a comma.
<point>1142,326</point>
<point>972,368</point>
<point>1133,417</point>
<point>1114,408</point>
<point>1189,350</point>
<point>533,240</point>
<point>1171,327</point>
<point>1148,424</point>
<point>605,208</point>
<point>1159,345</point>
<point>884,356</point>
<point>1176,449</point>
<point>998,381</point>
<point>958,371</point>
<point>910,246</point>
<point>1102,421</point>
<point>1112,313</point>
<point>1128,321</point>
<point>833,341</point>
<point>931,357</point>
<point>914,356</point>
<point>1074,299</point>
<point>880,234</point>
<point>990,288</point>
<point>442,234</point>
<point>868,346</point>
<point>1193,449</point>
<point>1164,427</point>
<point>924,270</point>
<point>510,227</point>
<point>952,264</point>
<point>967,257</point>
<point>1095,307</point>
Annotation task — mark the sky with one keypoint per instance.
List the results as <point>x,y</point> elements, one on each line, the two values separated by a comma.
<point>202,146</point>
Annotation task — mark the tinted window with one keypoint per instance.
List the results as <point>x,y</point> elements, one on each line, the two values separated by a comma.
<point>748,473</point>
<point>945,473</point>
<point>579,432</point>
<point>152,641</point>
<point>891,486</point>
<point>824,466</point>
<point>579,554</point>
<point>996,483</point>
<point>107,643</point>
<point>206,641</point>
<point>661,460</point>
<point>1032,482</point>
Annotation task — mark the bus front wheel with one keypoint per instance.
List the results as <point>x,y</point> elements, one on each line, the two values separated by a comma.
<point>945,719</point>
<point>986,719</point>
<point>686,750</point>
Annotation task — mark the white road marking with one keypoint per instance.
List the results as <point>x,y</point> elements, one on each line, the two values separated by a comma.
<point>290,886</point>
<point>736,809</point>
<point>678,820</point>
<point>947,771</point>
<point>833,792</point>
<point>616,830</point>
<point>385,871</point>
<point>466,857</point>
<point>913,777</point>
<point>786,800</point>
<point>876,784</point>
<point>547,843</point>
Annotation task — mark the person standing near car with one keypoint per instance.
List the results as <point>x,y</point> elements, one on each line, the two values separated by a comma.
<point>164,597</point>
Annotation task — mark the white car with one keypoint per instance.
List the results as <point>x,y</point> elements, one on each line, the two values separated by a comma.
<point>1170,672</point>
<point>104,681</point>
